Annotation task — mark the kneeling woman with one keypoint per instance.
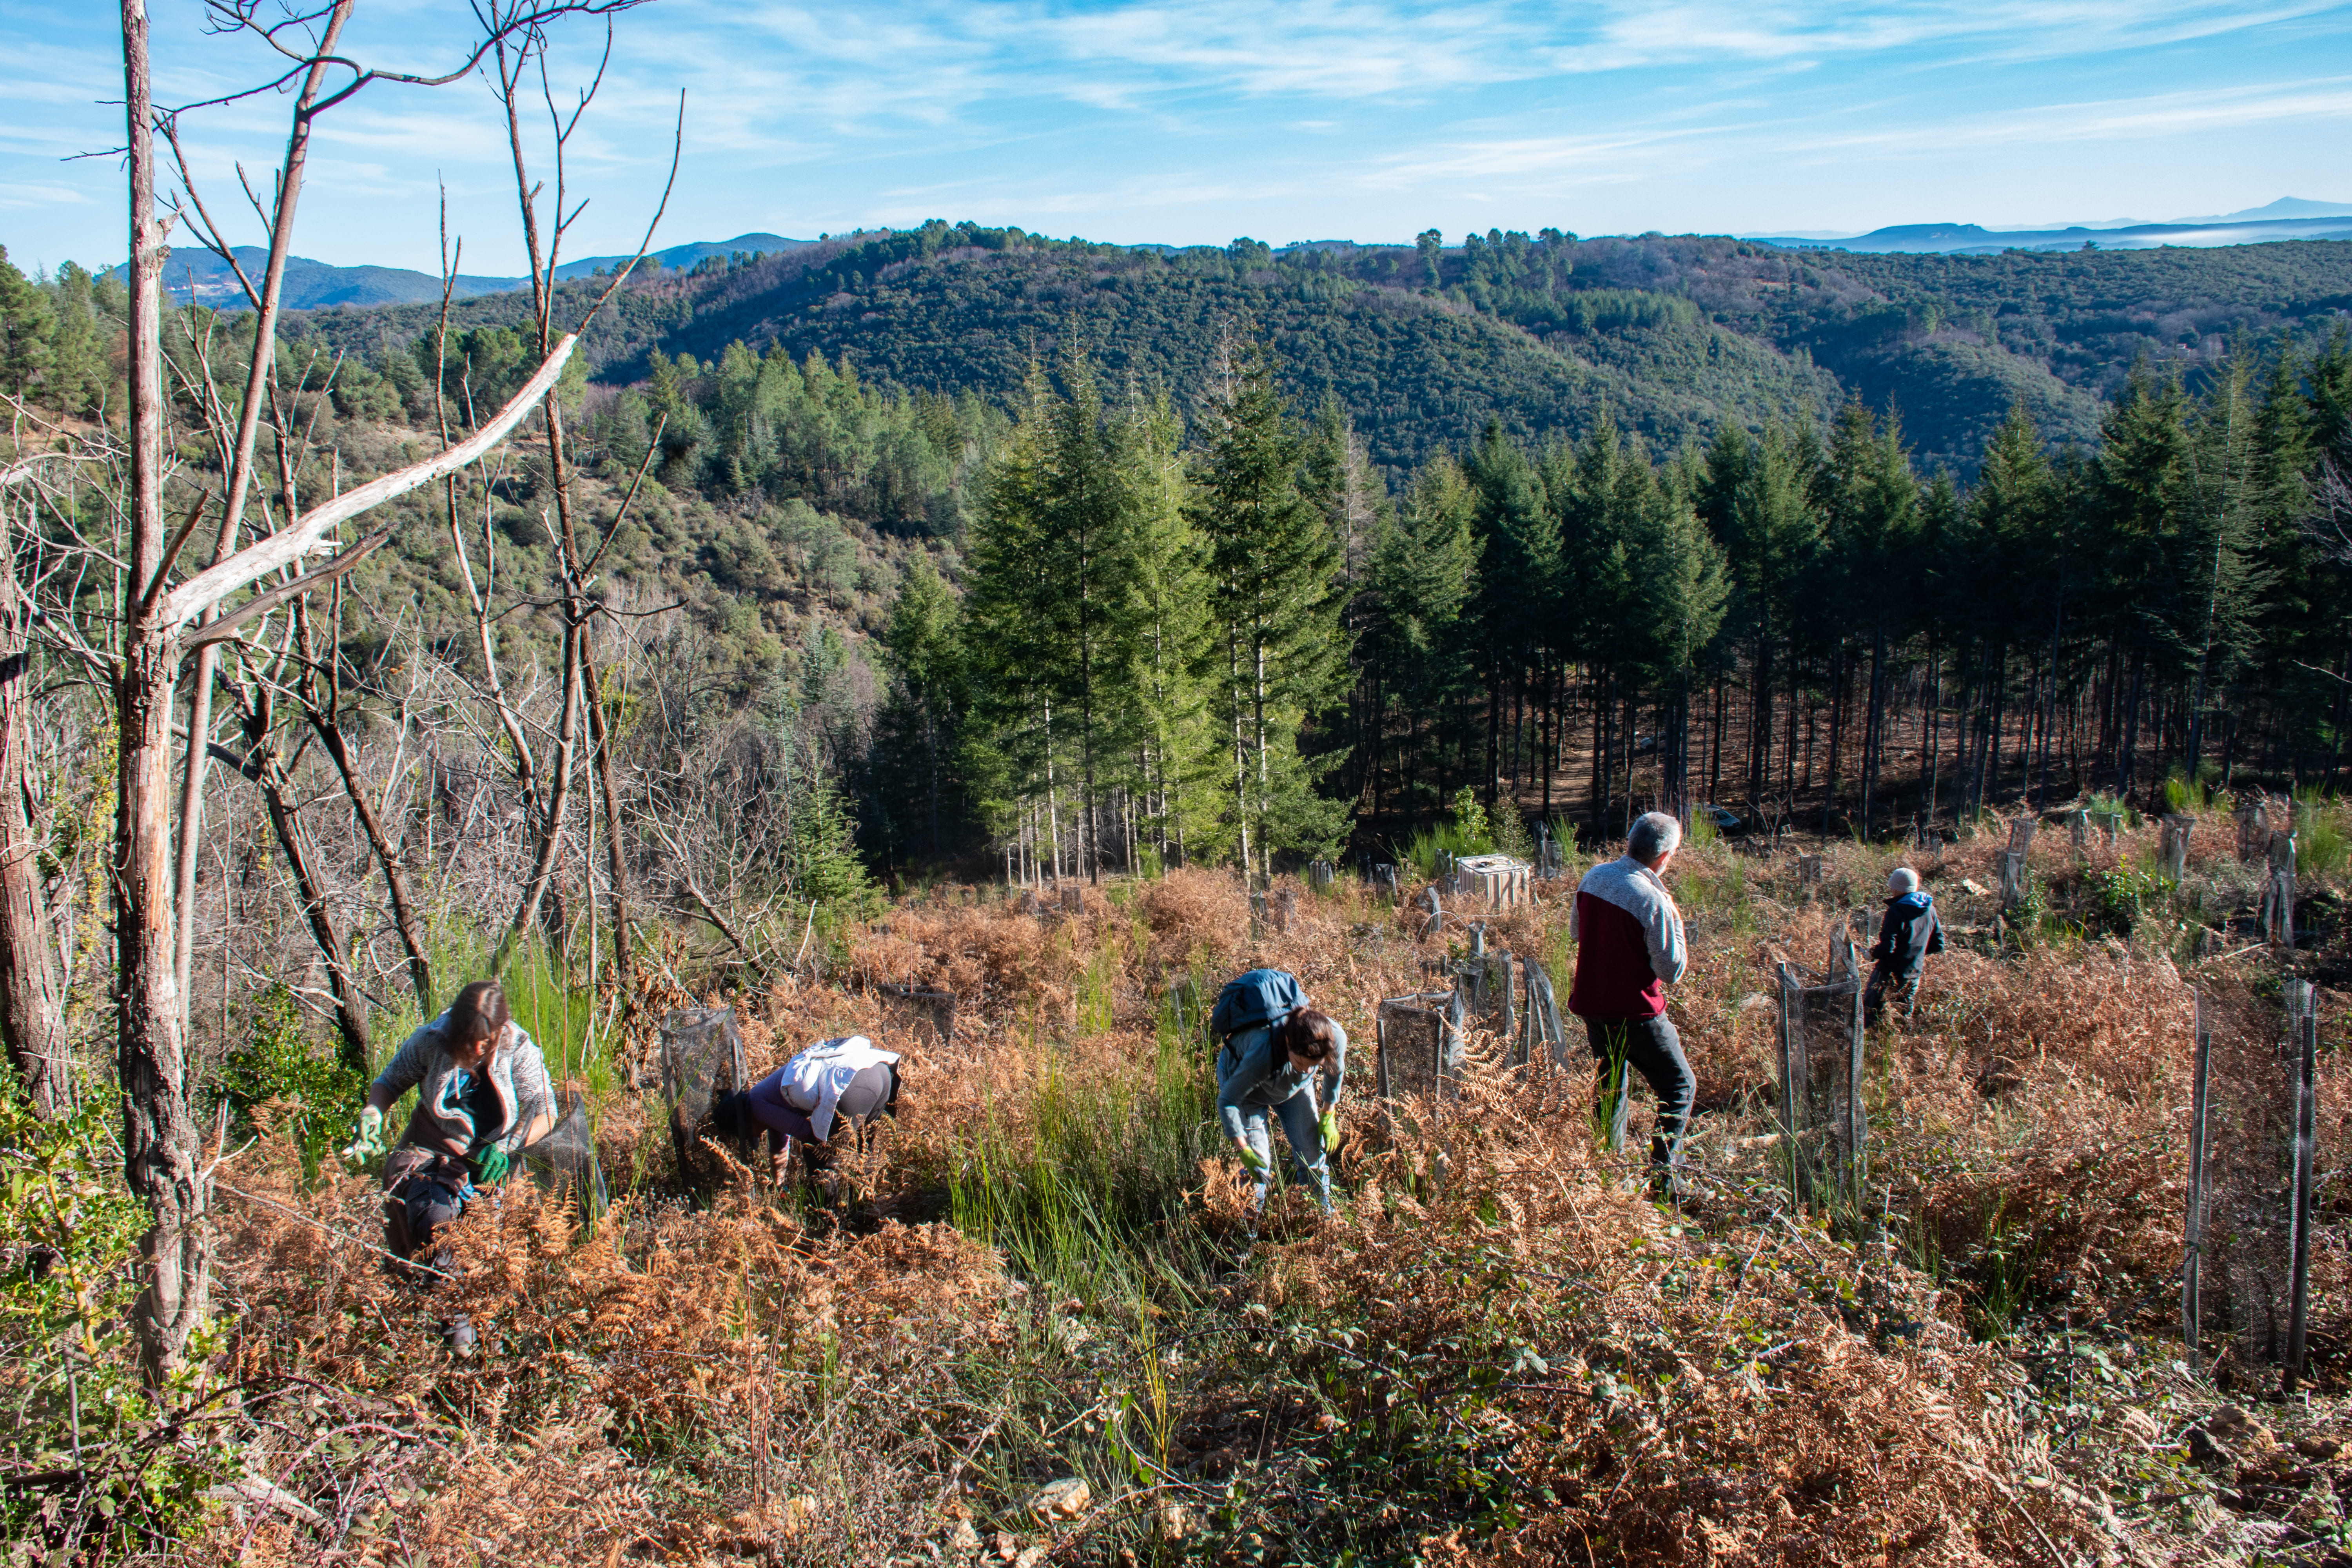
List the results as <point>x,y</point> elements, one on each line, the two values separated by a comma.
<point>482,1097</point>
<point>1278,1069</point>
<point>803,1101</point>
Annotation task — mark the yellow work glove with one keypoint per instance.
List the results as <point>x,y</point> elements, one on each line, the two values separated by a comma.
<point>1254,1160</point>
<point>1329,1128</point>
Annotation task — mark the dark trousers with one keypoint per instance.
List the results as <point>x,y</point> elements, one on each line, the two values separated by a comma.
<point>1884,977</point>
<point>873,1092</point>
<point>424,1192</point>
<point>1622,1047</point>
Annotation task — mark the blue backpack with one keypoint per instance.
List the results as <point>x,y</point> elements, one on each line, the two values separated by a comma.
<point>1254,1000</point>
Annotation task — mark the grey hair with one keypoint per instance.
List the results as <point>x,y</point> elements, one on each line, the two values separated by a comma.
<point>1654,834</point>
<point>1902,881</point>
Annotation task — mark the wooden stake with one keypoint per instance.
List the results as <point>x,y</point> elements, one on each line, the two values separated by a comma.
<point>2192,1264</point>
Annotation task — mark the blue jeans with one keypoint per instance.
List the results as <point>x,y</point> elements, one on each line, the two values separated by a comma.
<point>1304,1129</point>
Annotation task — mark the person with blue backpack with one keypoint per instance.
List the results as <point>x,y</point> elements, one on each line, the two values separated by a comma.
<point>1274,1053</point>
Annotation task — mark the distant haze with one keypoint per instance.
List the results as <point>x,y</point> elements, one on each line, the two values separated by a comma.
<point>1191,122</point>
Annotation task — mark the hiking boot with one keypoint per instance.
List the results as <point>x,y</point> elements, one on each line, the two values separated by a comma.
<point>458,1335</point>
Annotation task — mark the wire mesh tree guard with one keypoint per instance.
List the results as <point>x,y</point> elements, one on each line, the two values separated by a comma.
<point>925,1014</point>
<point>702,1059</point>
<point>1548,858</point>
<point>2192,1259</point>
<point>1543,1034</point>
<point>1420,1045</point>
<point>2013,880</point>
<point>1824,1125</point>
<point>564,1161</point>
<point>2277,914</point>
<point>2172,847</point>
<point>2303,1057</point>
<point>1489,985</point>
<point>1496,883</point>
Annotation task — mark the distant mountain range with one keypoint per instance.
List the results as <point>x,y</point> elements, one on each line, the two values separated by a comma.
<point>2289,217</point>
<point>199,276</point>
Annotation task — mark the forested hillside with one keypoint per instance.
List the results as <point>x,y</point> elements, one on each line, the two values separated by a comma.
<point>1584,537</point>
<point>1424,345</point>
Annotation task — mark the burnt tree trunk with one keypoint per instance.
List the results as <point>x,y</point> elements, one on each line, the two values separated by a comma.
<point>160,1138</point>
<point>32,1022</point>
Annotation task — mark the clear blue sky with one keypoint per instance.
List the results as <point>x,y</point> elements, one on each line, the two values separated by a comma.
<point>1196,121</point>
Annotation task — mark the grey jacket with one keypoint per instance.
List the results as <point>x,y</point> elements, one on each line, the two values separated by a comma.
<point>441,1121</point>
<point>1248,1078</point>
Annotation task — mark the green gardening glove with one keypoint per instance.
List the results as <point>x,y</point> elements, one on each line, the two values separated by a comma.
<point>1329,1128</point>
<point>367,1141</point>
<point>1254,1160</point>
<point>490,1166</point>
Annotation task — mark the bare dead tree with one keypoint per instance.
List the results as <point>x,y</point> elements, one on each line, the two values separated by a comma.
<point>256,691</point>
<point>32,1015</point>
<point>322,696</point>
<point>238,469</point>
<point>159,621</point>
<point>517,52</point>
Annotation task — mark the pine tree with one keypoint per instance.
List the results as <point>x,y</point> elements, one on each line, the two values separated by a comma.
<point>1086,539</point>
<point>1008,745</point>
<point>1272,563</point>
<point>1423,569</point>
<point>1179,759</point>
<point>2217,512</point>
<point>1869,500</point>
<point>1519,538</point>
<point>923,651</point>
<point>26,326</point>
<point>1338,478</point>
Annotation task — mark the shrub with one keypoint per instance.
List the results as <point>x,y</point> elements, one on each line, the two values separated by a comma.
<point>279,1074</point>
<point>94,1471</point>
<point>2320,846</point>
<point>2119,898</point>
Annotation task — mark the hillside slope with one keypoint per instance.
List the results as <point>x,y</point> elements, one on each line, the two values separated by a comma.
<point>1675,333</point>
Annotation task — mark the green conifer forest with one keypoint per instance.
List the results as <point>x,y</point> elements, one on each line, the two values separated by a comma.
<point>1106,555</point>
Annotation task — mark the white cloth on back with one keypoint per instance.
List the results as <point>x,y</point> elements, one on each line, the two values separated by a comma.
<point>815,1079</point>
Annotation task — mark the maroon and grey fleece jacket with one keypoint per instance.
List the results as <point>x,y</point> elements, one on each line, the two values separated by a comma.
<point>1628,942</point>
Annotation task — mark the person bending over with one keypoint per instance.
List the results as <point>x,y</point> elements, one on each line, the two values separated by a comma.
<point>1628,937</point>
<point>1274,1069</point>
<point>834,1083</point>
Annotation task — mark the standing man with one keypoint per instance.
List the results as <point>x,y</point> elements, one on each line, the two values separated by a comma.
<point>1629,949</point>
<point>1906,936</point>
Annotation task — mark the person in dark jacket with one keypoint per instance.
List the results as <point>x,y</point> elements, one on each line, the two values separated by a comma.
<point>1629,949</point>
<point>1907,934</point>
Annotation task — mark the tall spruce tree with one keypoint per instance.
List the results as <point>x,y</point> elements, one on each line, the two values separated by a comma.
<point>1425,568</point>
<point>1272,564</point>
<point>1179,759</point>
